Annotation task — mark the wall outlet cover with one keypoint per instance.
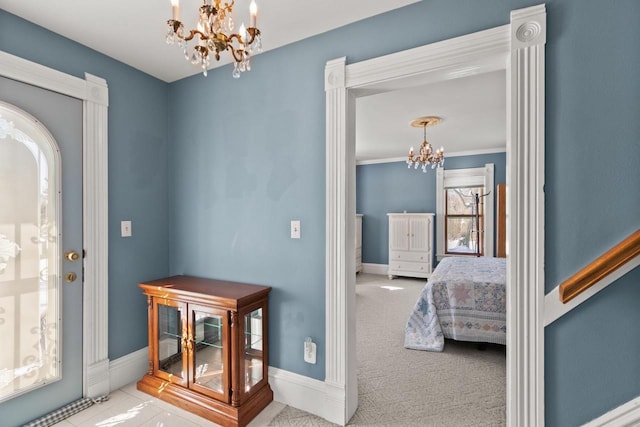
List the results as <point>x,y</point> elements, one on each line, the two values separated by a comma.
<point>125,228</point>
<point>295,229</point>
<point>310,352</point>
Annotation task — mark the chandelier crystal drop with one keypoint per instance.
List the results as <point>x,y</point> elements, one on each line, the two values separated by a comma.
<point>214,35</point>
<point>426,156</point>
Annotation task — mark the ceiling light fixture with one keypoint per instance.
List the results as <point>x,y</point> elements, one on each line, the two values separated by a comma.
<point>214,34</point>
<point>426,156</point>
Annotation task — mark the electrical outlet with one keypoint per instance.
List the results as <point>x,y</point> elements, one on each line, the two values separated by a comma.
<point>310,351</point>
<point>295,229</point>
<point>125,228</point>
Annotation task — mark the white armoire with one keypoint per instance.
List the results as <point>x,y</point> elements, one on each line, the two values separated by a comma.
<point>410,244</point>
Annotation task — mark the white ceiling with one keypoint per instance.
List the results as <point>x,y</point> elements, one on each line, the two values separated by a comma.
<point>473,112</point>
<point>133,31</point>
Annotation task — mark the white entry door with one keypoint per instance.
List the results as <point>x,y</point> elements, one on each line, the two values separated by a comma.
<point>40,251</point>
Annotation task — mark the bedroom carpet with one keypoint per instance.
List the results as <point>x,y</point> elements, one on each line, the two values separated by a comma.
<point>461,386</point>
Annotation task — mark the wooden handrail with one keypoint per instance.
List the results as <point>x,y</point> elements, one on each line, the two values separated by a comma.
<point>601,267</point>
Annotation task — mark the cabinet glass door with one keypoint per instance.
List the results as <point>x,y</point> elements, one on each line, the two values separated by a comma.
<point>209,351</point>
<point>252,360</point>
<point>170,343</point>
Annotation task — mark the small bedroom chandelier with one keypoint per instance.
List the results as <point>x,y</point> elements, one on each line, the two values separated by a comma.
<point>426,156</point>
<point>214,33</point>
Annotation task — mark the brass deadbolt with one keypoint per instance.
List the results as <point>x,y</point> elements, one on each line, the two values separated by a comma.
<point>70,277</point>
<point>72,255</point>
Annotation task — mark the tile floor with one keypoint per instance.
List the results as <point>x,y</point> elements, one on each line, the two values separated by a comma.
<point>130,407</point>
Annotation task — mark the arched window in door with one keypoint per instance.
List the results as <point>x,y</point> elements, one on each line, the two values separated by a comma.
<point>29,253</point>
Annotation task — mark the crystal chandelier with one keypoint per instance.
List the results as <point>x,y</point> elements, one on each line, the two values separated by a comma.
<point>426,156</point>
<point>214,35</point>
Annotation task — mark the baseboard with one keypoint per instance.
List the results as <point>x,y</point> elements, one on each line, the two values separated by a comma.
<point>307,394</point>
<point>128,368</point>
<point>97,379</point>
<point>626,415</point>
<point>368,268</point>
<point>292,389</point>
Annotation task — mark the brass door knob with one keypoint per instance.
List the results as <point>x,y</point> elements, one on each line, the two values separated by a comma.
<point>71,256</point>
<point>70,277</point>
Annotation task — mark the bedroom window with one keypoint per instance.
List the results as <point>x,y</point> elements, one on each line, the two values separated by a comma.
<point>464,221</point>
<point>458,231</point>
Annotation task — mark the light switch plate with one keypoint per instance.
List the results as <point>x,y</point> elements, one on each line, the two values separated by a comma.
<point>125,228</point>
<point>295,229</point>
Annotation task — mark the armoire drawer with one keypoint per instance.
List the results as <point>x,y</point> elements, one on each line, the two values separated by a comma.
<point>416,267</point>
<point>409,256</point>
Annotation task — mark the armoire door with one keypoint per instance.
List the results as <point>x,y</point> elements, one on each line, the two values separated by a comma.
<point>398,233</point>
<point>41,252</point>
<point>420,234</point>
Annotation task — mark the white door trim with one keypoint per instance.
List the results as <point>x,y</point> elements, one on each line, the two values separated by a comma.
<point>518,48</point>
<point>94,93</point>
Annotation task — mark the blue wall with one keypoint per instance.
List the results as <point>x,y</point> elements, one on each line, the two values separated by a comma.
<point>137,170</point>
<point>245,157</point>
<point>592,202</point>
<point>392,187</point>
<point>248,157</point>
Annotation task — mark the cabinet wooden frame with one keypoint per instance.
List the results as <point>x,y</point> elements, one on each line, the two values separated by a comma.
<point>228,303</point>
<point>245,395</point>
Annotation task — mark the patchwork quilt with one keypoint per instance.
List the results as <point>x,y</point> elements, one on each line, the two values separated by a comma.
<point>465,300</point>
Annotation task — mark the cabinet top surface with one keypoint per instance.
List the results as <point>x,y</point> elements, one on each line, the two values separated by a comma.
<point>202,286</point>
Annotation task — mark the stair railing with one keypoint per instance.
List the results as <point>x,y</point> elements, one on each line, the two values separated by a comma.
<point>601,267</point>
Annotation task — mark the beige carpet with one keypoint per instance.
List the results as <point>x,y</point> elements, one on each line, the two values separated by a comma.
<point>461,386</point>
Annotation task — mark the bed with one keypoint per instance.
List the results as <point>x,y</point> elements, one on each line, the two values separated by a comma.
<point>465,300</point>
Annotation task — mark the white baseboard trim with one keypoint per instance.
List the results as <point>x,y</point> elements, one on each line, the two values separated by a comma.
<point>368,268</point>
<point>626,415</point>
<point>307,394</point>
<point>292,389</point>
<point>97,379</point>
<point>128,368</point>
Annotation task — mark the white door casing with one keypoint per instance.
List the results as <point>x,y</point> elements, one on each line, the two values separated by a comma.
<point>518,48</point>
<point>93,91</point>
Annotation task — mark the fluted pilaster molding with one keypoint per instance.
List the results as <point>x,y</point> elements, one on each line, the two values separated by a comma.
<point>525,216</point>
<point>96,238</point>
<point>339,269</point>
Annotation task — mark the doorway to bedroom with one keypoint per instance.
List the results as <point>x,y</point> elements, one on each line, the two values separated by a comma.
<point>466,379</point>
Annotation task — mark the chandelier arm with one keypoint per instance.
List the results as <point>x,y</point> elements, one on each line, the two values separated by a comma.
<point>253,32</point>
<point>235,36</point>
<point>192,34</point>
<point>235,52</point>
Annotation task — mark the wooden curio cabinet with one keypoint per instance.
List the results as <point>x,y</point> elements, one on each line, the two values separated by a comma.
<point>208,347</point>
